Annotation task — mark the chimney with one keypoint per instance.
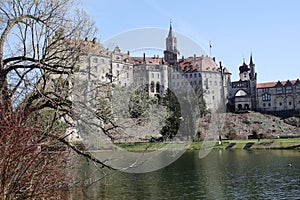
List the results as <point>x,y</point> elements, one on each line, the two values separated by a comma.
<point>128,53</point>
<point>144,57</point>
<point>194,57</point>
<point>214,59</point>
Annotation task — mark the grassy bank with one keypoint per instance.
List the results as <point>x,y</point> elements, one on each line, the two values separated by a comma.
<point>289,143</point>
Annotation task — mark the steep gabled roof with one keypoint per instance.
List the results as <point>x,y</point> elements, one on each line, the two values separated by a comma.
<point>275,84</point>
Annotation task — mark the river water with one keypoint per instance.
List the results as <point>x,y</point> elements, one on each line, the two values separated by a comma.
<point>222,174</point>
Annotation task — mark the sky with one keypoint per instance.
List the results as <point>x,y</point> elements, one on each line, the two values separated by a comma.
<point>269,29</point>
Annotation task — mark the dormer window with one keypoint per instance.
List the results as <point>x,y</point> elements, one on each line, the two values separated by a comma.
<point>298,88</point>
<point>289,89</point>
<point>279,90</point>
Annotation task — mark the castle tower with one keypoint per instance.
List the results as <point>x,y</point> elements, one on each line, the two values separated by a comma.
<point>171,53</point>
<point>252,69</point>
<point>244,72</point>
<point>253,82</point>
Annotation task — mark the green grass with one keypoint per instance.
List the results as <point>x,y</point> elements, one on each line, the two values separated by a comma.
<point>289,143</point>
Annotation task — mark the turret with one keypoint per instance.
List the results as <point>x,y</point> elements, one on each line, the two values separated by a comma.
<point>244,72</point>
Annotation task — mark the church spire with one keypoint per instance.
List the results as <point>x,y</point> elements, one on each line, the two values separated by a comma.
<point>251,61</point>
<point>252,68</point>
<point>170,30</point>
<point>171,41</point>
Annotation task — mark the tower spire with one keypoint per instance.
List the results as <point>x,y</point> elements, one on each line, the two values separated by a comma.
<point>251,60</point>
<point>170,29</point>
<point>171,51</point>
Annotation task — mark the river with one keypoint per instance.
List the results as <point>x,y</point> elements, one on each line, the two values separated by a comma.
<point>222,174</point>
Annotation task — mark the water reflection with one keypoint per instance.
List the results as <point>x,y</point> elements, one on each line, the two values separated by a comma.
<point>260,174</point>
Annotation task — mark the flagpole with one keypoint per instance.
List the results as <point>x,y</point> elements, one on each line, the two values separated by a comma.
<point>210,47</point>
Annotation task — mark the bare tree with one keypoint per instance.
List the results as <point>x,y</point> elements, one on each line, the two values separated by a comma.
<point>41,43</point>
<point>27,169</point>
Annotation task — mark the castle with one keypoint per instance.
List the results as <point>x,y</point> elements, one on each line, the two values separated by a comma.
<point>159,74</point>
<point>201,72</point>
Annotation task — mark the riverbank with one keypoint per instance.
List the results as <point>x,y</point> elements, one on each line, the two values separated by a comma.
<point>289,143</point>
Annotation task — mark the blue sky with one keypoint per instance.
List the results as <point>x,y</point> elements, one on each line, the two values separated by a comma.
<point>270,29</point>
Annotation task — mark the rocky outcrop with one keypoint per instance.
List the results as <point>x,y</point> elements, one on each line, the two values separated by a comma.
<point>249,125</point>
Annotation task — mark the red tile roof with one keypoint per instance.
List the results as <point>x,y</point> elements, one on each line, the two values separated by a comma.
<point>140,60</point>
<point>202,63</point>
<point>273,84</point>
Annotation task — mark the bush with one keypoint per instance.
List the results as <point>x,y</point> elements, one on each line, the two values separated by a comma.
<point>27,170</point>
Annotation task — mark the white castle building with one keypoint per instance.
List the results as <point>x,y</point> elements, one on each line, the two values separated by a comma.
<point>159,74</point>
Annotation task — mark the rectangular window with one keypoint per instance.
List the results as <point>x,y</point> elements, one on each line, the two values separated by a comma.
<point>195,75</point>
<point>279,90</point>
<point>157,75</point>
<point>266,97</point>
<point>191,75</point>
<point>288,89</point>
<point>152,75</point>
<point>298,89</point>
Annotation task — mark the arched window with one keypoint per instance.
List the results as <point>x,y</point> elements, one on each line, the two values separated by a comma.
<point>240,106</point>
<point>152,86</point>
<point>241,93</point>
<point>157,87</point>
<point>246,106</point>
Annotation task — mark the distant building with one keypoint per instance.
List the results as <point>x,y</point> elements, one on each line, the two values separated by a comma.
<point>278,96</point>
<point>246,94</point>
